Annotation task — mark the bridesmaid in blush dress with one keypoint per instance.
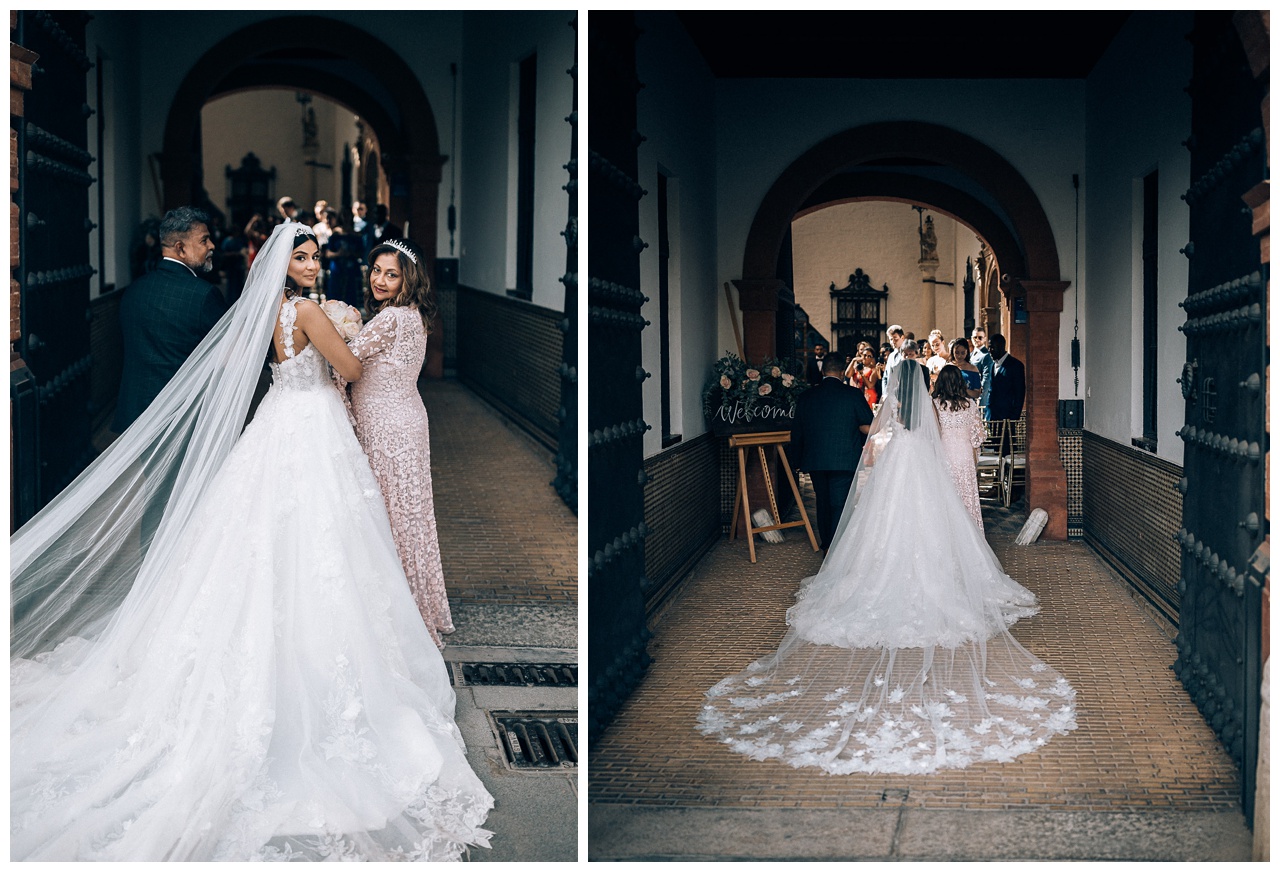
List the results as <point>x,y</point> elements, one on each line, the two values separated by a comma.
<point>391,422</point>
<point>961,426</point>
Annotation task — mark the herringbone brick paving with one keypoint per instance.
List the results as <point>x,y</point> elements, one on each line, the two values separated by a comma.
<point>505,535</point>
<point>1140,744</point>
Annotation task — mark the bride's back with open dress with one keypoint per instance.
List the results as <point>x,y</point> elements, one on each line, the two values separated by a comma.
<point>275,696</point>
<point>898,656</point>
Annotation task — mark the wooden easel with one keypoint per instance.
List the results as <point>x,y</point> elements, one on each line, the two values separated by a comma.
<point>743,441</point>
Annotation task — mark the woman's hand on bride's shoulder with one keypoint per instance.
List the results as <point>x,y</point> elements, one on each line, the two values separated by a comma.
<point>324,336</point>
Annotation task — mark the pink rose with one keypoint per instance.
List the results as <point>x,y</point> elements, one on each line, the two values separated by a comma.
<point>787,380</point>
<point>776,371</point>
<point>753,374</point>
<point>346,319</point>
<point>765,390</point>
<point>725,383</point>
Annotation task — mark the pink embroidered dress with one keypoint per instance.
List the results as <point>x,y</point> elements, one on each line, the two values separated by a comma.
<point>962,434</point>
<point>391,424</point>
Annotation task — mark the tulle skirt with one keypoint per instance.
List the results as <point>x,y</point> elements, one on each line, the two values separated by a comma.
<point>898,656</point>
<point>277,698</point>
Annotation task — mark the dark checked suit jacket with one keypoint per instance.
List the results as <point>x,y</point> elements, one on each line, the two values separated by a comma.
<point>825,434</point>
<point>163,317</point>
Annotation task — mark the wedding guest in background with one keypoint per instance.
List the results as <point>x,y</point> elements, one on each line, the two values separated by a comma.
<point>970,373</point>
<point>1008,389</point>
<point>865,374</point>
<point>391,421</point>
<point>936,348</point>
<point>981,358</point>
<point>383,229</point>
<point>342,262</point>
<point>962,435</point>
<point>322,228</point>
<point>813,372</point>
<point>165,313</point>
<point>235,262</point>
<point>287,208</point>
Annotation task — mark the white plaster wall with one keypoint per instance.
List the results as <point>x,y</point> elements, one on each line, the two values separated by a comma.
<point>882,239</point>
<point>227,140</point>
<point>121,169</point>
<point>763,125</point>
<point>1138,116</point>
<point>675,113</point>
<point>493,45</point>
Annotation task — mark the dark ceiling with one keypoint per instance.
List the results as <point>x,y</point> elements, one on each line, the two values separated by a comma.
<point>926,44</point>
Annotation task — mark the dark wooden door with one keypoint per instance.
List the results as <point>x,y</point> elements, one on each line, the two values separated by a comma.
<point>615,453</point>
<point>54,180</point>
<point>566,480</point>
<point>1224,519</point>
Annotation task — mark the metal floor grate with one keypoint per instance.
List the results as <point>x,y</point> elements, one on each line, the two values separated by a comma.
<point>515,674</point>
<point>538,740</point>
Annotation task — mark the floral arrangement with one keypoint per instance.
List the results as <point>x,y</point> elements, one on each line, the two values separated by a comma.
<point>346,319</point>
<point>743,394</point>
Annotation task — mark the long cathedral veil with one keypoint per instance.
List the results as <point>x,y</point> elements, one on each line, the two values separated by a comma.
<point>113,530</point>
<point>897,657</point>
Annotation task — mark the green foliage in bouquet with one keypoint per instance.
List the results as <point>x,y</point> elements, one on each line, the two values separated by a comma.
<point>743,394</point>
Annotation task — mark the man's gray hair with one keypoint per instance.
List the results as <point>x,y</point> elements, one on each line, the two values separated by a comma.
<point>909,345</point>
<point>178,223</point>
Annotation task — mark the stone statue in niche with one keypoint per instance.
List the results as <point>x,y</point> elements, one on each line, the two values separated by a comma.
<point>928,241</point>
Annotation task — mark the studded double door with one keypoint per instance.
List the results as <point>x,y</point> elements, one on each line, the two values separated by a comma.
<point>51,394</point>
<point>1223,382</point>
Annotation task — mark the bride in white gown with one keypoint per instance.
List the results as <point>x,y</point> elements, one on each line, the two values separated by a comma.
<point>898,656</point>
<point>252,679</point>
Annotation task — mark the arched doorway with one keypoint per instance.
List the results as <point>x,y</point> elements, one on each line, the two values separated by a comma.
<point>267,54</point>
<point>1021,240</point>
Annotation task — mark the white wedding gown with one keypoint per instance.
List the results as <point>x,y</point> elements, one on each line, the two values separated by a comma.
<point>898,657</point>
<point>277,697</point>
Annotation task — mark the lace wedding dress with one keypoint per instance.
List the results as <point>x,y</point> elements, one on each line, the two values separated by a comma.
<point>270,694</point>
<point>898,657</point>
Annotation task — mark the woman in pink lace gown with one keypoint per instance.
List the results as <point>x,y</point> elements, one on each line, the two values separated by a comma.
<point>391,422</point>
<point>962,435</point>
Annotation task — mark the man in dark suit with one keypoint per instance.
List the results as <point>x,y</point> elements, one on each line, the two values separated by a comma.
<point>1008,388</point>
<point>813,372</point>
<point>831,424</point>
<point>382,229</point>
<point>165,313</point>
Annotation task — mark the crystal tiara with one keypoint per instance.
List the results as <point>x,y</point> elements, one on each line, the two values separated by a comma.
<point>401,247</point>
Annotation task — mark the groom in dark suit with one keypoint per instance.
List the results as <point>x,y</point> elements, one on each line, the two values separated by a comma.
<point>165,313</point>
<point>831,424</point>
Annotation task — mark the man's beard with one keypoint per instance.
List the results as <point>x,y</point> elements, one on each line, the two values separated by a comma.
<point>207,265</point>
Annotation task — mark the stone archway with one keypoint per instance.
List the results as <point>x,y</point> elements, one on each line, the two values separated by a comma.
<point>411,149</point>
<point>1023,245</point>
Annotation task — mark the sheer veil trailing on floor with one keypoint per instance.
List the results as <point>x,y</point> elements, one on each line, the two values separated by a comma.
<point>898,656</point>
<point>215,652</point>
<point>111,530</point>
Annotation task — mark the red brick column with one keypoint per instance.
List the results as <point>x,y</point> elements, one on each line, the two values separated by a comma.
<point>1046,478</point>
<point>758,300</point>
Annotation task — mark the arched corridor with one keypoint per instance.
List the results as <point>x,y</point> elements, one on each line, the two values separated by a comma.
<point>661,790</point>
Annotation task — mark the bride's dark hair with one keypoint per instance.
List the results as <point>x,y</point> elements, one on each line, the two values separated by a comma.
<point>950,390</point>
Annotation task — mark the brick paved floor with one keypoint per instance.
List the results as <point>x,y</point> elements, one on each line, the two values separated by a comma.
<point>505,535</point>
<point>1140,745</point>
